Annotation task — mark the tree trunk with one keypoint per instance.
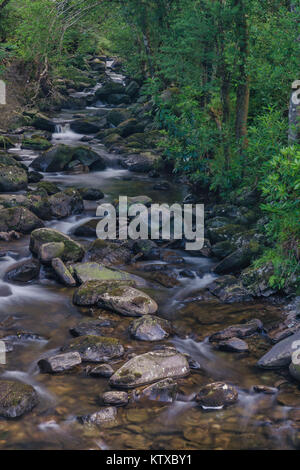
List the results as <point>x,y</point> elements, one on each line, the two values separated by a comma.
<point>243,89</point>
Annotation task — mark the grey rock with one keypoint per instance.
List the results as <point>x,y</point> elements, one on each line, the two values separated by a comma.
<point>60,362</point>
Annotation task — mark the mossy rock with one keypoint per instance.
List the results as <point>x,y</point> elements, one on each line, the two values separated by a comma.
<point>50,188</point>
<point>73,251</point>
<point>16,398</point>
<point>12,178</point>
<point>150,367</point>
<point>66,203</point>
<point>118,115</point>
<point>19,219</point>
<point>108,253</point>
<point>150,328</point>
<point>37,143</point>
<point>95,348</point>
<point>92,271</point>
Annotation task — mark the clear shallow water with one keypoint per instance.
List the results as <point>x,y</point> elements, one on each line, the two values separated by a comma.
<point>45,308</point>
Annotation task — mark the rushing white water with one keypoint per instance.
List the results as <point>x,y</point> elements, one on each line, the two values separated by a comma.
<point>65,133</point>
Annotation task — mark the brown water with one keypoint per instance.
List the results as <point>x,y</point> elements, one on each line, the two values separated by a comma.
<point>256,422</point>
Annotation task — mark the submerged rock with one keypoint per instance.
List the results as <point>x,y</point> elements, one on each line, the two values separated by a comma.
<point>108,253</point>
<point>66,203</point>
<point>216,395</point>
<point>95,348</point>
<point>238,331</point>
<point>115,398</point>
<point>164,391</point>
<point>60,362</point>
<point>19,219</point>
<point>16,398</point>
<point>103,370</point>
<point>93,327</point>
<point>229,290</point>
<point>73,251</point>
<point>150,328</point>
<point>100,417</point>
<point>280,354</point>
<point>23,271</point>
<point>150,367</point>
<point>233,345</point>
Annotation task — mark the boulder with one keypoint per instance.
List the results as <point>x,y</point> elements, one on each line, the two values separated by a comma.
<point>109,89</point>
<point>12,178</point>
<point>36,143</point>
<point>51,250</point>
<point>103,370</point>
<point>229,290</point>
<point>141,163</point>
<point>50,188</point>
<point>87,229</point>
<point>95,348</point>
<point>16,398</point>
<point>116,116</point>
<point>108,253</point>
<point>62,272</point>
<point>279,355</point>
<point>34,177</point>
<point>216,395</point>
<point>87,328</point>
<point>127,301</point>
<point>257,280</point>
<point>146,249</point>
<point>233,345</point>
<point>66,203</point>
<point>238,331</point>
<point>150,328</point>
<point>150,367</point>
<point>224,233</point>
<point>91,194</point>
<point>24,271</point>
<point>99,272</point>
<point>60,362</point>
<point>100,417</point>
<point>85,126</point>
<point>19,219</point>
<point>115,398</point>
<point>40,121</point>
<point>129,127</point>
<point>163,391</point>
<point>73,251</point>
<point>60,157</point>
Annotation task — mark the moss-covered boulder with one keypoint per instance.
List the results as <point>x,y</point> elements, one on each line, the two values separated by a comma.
<point>95,348</point>
<point>257,280</point>
<point>91,194</point>
<point>42,122</point>
<point>118,115</point>
<point>150,367</point>
<point>16,398</point>
<point>150,328</point>
<point>66,203</point>
<point>88,293</point>
<point>224,233</point>
<point>62,272</point>
<point>108,253</point>
<point>109,89</point>
<point>217,395</point>
<point>12,178</point>
<point>229,290</point>
<point>35,143</point>
<point>239,259</point>
<point>73,251</point>
<point>141,163</point>
<point>92,271</point>
<point>129,127</point>
<point>60,157</point>
<point>50,188</point>
<point>49,251</point>
<point>19,219</point>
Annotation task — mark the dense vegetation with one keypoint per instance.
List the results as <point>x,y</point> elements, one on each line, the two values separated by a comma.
<point>219,72</point>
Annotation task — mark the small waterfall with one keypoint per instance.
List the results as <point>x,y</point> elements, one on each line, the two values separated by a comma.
<point>63,131</point>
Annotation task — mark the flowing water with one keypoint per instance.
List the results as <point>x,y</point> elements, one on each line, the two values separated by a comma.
<point>45,308</point>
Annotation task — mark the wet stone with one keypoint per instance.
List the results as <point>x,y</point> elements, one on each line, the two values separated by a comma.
<point>216,395</point>
<point>233,345</point>
<point>265,389</point>
<point>150,328</point>
<point>163,391</point>
<point>99,417</point>
<point>90,328</point>
<point>95,348</point>
<point>238,331</point>
<point>103,370</point>
<point>16,398</point>
<point>115,398</point>
<point>60,362</point>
